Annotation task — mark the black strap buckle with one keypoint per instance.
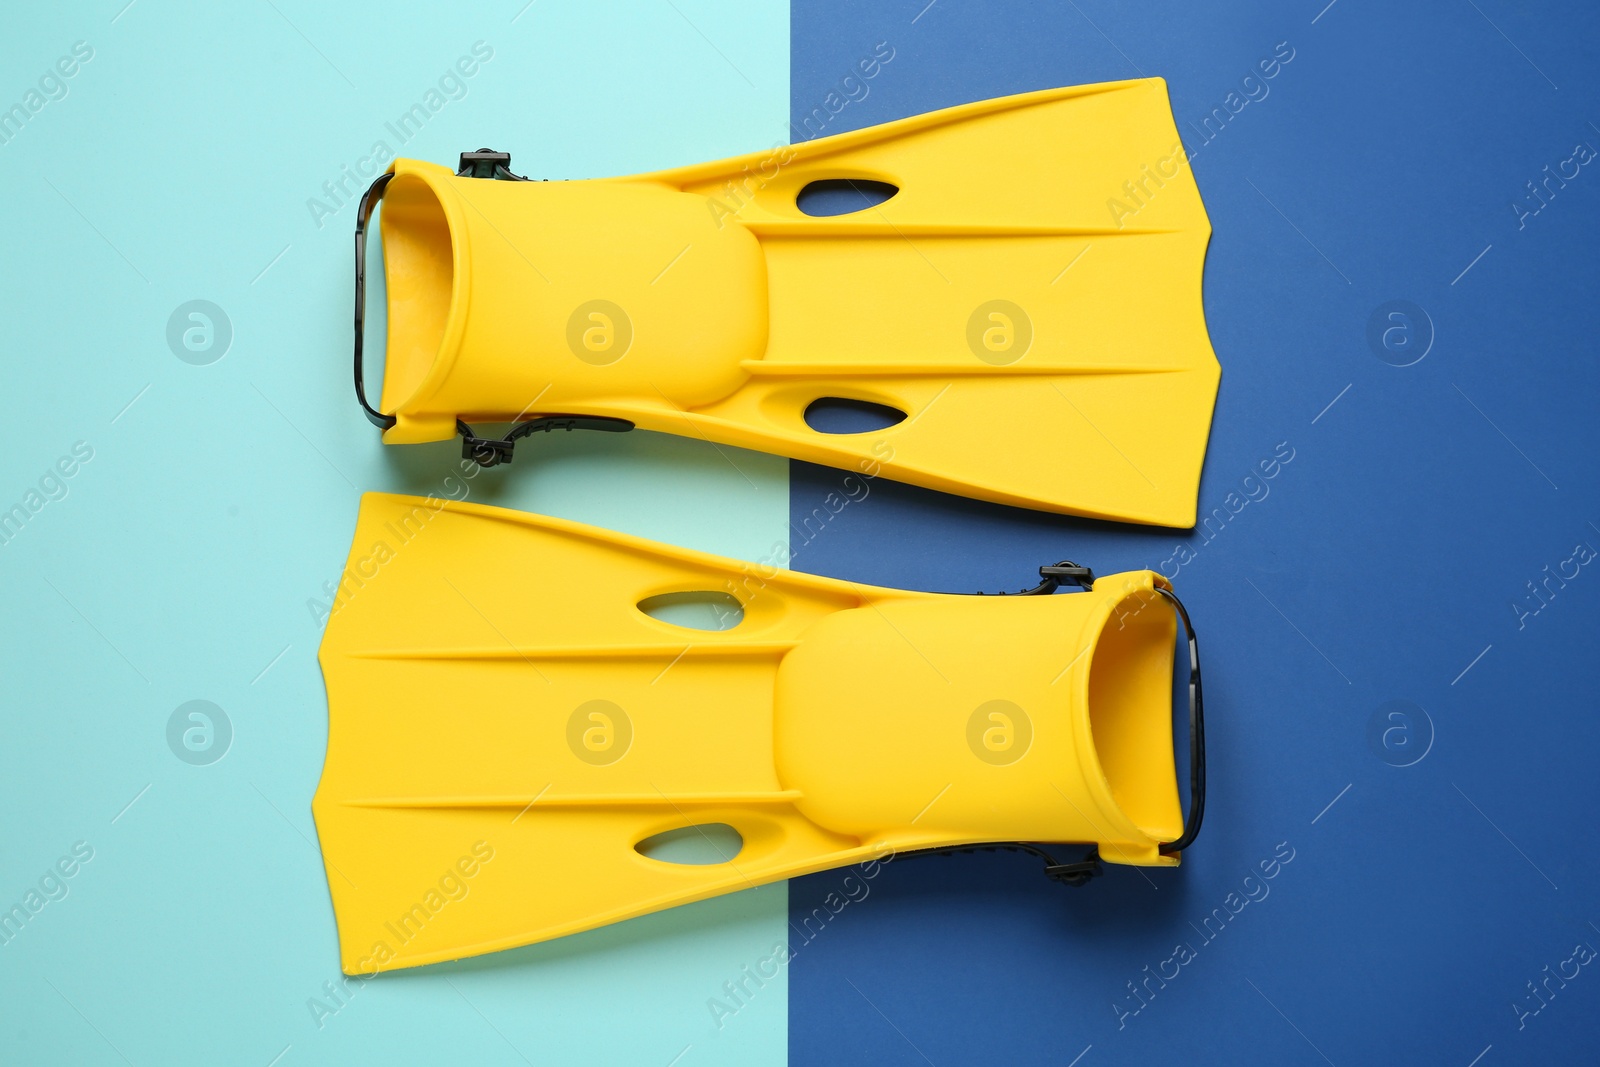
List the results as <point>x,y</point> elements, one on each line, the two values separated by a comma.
<point>1052,578</point>
<point>487,163</point>
<point>491,451</point>
<point>1074,874</point>
<point>486,452</point>
<point>1065,571</point>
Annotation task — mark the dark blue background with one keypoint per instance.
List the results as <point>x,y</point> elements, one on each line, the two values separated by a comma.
<point>1384,559</point>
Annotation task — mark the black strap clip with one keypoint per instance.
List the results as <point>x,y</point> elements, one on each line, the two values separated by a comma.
<point>1067,571</point>
<point>1052,578</point>
<point>487,163</point>
<point>1075,874</point>
<point>486,451</point>
<point>493,451</point>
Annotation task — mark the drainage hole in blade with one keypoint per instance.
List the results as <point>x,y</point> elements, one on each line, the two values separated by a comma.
<point>693,846</point>
<point>838,415</point>
<point>695,610</point>
<point>842,196</point>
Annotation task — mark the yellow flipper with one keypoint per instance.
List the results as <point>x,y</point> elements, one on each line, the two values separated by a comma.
<point>507,724</point>
<point>1029,299</point>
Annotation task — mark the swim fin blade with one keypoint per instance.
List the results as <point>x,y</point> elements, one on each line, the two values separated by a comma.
<point>1027,303</point>
<point>508,723</point>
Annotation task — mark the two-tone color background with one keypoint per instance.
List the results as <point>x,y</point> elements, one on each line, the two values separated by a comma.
<point>1399,623</point>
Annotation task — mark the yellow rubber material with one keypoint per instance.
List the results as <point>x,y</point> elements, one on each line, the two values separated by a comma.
<point>1030,298</point>
<point>506,725</point>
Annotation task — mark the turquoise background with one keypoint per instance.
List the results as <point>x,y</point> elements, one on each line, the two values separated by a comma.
<point>180,561</point>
